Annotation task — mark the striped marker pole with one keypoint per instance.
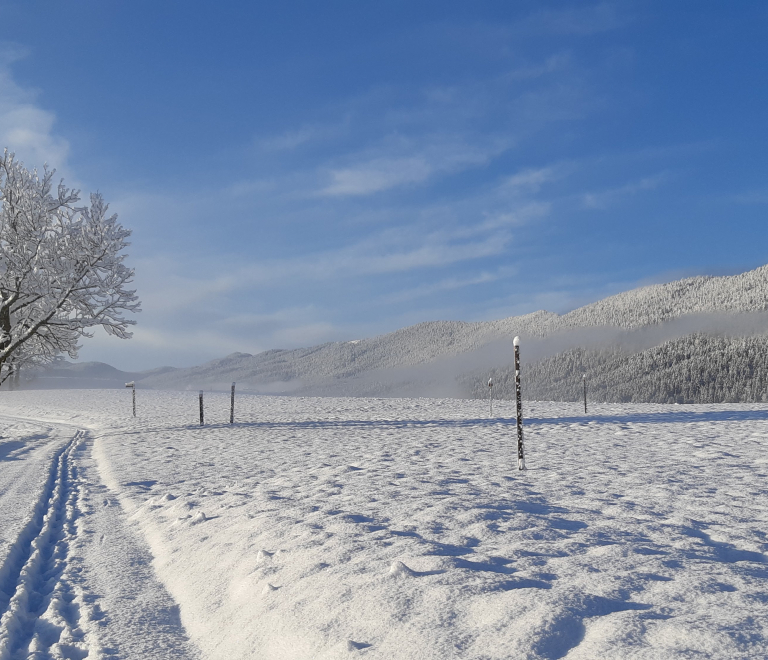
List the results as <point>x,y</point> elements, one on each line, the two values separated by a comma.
<point>232,406</point>
<point>202,421</point>
<point>519,397</point>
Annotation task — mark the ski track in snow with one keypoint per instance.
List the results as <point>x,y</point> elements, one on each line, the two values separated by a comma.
<point>380,528</point>
<point>42,616</point>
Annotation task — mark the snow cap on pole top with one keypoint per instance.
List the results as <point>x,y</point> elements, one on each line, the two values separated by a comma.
<point>516,341</point>
<point>131,384</point>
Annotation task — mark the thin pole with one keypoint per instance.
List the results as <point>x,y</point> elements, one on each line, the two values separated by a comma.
<point>519,397</point>
<point>201,408</point>
<point>232,406</point>
<point>585,393</point>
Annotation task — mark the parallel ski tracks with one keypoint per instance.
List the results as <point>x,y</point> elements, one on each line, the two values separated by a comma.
<point>41,606</point>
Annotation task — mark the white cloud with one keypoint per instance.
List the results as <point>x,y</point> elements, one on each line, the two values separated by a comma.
<point>293,139</point>
<point>372,257</point>
<point>552,64</point>
<point>377,175</point>
<point>530,179</point>
<point>515,218</point>
<point>605,198</point>
<point>25,127</point>
<point>401,161</point>
<point>449,284</point>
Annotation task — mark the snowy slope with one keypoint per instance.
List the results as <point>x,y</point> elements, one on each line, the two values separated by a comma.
<point>402,361</point>
<point>399,528</point>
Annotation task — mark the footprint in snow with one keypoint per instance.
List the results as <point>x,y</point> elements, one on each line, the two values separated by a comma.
<point>356,646</point>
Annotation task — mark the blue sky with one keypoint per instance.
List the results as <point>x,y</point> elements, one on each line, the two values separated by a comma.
<point>301,172</point>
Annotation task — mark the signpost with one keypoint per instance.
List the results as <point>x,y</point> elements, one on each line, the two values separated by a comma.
<point>132,385</point>
<point>201,408</point>
<point>232,406</point>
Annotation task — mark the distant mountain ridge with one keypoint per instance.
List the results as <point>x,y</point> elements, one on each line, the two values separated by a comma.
<point>86,375</point>
<point>454,358</point>
<point>365,366</point>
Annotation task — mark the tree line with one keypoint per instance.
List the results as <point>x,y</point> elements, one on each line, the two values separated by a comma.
<point>697,368</point>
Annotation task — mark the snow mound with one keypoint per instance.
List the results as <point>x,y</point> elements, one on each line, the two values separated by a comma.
<point>400,570</point>
<point>263,555</point>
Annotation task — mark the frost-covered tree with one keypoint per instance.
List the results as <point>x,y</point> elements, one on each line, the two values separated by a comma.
<point>61,269</point>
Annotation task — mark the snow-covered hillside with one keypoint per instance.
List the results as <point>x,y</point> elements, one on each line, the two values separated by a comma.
<point>652,344</point>
<point>395,528</point>
<point>427,358</point>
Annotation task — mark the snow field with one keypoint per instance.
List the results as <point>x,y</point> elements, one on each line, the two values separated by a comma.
<point>385,528</point>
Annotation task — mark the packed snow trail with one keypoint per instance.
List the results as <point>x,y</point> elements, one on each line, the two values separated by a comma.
<point>74,582</point>
<point>137,616</point>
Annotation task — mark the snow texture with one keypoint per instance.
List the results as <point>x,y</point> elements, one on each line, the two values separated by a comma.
<point>393,528</point>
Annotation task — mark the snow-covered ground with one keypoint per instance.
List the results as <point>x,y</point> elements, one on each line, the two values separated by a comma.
<point>379,528</point>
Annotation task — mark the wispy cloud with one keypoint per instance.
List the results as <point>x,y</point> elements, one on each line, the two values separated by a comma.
<point>605,198</point>
<point>306,134</point>
<point>378,174</point>
<point>532,179</point>
<point>448,284</point>
<point>385,168</point>
<point>551,64</point>
<point>377,255</point>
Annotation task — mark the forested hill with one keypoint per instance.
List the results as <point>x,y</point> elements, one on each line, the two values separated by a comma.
<point>746,292</point>
<point>453,357</point>
<point>697,368</point>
